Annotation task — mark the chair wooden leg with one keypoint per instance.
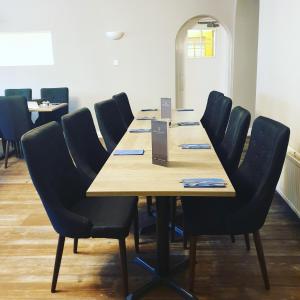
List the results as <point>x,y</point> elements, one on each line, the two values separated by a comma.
<point>136,232</point>
<point>6,153</point>
<point>173,218</point>
<point>247,241</point>
<point>232,238</point>
<point>185,237</point>
<point>75,245</point>
<point>59,252</point>
<point>149,205</point>
<point>261,259</point>
<point>123,257</point>
<point>193,246</point>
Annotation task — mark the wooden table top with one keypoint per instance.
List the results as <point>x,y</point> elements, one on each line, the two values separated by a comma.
<point>48,108</point>
<point>137,176</point>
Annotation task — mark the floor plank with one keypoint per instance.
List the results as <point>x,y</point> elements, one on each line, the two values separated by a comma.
<point>225,270</point>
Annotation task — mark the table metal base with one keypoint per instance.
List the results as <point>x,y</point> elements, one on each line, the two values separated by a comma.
<point>162,275</point>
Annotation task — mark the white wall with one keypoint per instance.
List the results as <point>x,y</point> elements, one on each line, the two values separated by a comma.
<point>83,56</point>
<point>245,54</point>
<point>278,75</point>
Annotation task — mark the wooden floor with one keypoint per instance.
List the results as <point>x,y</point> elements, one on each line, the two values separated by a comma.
<point>224,270</point>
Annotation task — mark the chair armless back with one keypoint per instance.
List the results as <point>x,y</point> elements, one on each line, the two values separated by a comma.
<point>208,116</point>
<point>124,108</point>
<point>55,95</point>
<point>221,111</point>
<point>27,93</point>
<point>110,123</point>
<point>15,118</point>
<point>231,148</point>
<point>55,178</point>
<point>88,153</point>
<point>258,175</point>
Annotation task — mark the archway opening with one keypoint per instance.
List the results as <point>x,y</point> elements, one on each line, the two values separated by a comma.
<point>203,61</point>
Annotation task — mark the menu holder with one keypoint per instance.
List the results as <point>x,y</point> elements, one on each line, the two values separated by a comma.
<point>166,108</point>
<point>159,143</point>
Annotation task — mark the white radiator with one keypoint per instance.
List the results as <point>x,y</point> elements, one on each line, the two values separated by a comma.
<point>289,183</point>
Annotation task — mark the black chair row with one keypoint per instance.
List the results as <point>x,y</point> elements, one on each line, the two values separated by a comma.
<point>254,180</point>
<point>62,186</point>
<point>16,119</point>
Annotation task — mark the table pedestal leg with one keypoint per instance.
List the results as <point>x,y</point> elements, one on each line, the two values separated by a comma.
<point>162,273</point>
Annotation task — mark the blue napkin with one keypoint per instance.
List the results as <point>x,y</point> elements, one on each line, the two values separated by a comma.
<point>149,109</point>
<point>184,109</point>
<point>129,152</point>
<point>195,146</point>
<point>140,130</point>
<point>146,118</point>
<point>204,183</point>
<point>188,123</point>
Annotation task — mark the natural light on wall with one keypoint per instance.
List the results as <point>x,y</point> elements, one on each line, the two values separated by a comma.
<point>201,43</point>
<point>26,49</point>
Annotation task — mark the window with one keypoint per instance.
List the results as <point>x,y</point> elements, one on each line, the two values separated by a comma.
<point>26,49</point>
<point>201,43</point>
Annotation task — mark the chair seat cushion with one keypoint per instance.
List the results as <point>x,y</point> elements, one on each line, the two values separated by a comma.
<point>111,216</point>
<point>209,215</point>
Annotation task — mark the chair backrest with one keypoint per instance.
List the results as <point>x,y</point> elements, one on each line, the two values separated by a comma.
<point>124,108</point>
<point>231,148</point>
<point>110,123</point>
<point>84,145</point>
<point>220,112</point>
<point>15,118</point>
<point>27,93</point>
<point>256,179</point>
<point>55,178</point>
<point>208,116</point>
<point>55,95</point>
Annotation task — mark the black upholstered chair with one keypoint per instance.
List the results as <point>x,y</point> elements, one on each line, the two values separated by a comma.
<point>217,126</point>
<point>27,93</point>
<point>254,181</point>
<point>208,116</point>
<point>231,147</point>
<point>86,150</point>
<point>14,122</point>
<point>62,192</point>
<point>110,123</point>
<point>54,95</point>
<point>124,108</point>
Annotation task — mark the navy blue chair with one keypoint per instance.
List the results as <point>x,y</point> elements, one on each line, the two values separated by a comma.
<point>231,147</point>
<point>14,122</point>
<point>110,123</point>
<point>255,183</point>
<point>54,95</point>
<point>86,150</point>
<point>124,107</point>
<point>62,192</point>
<point>208,117</point>
<point>217,126</point>
<point>27,93</point>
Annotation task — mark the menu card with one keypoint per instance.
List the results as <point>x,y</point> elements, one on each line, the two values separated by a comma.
<point>159,143</point>
<point>166,109</point>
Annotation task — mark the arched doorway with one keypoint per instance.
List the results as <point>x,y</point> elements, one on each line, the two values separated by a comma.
<point>203,61</point>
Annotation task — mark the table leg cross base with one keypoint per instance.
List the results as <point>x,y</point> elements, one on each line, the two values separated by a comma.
<point>160,280</point>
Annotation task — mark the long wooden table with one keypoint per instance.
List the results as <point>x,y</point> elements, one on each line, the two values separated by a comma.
<point>137,176</point>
